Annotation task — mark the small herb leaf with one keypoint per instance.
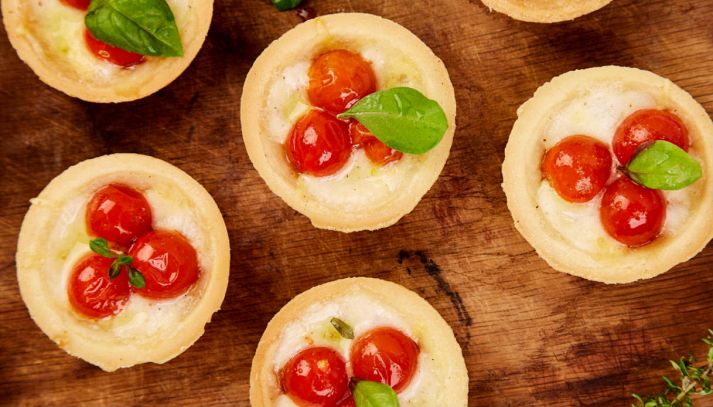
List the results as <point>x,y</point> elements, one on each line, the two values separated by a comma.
<point>372,394</point>
<point>101,247</point>
<point>145,27</point>
<point>343,328</point>
<point>136,278</point>
<point>115,268</point>
<point>402,118</point>
<point>283,5</point>
<point>664,165</point>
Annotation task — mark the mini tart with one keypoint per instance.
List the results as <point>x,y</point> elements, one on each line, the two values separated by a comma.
<point>545,11</point>
<point>274,97</point>
<point>621,91</point>
<point>49,37</point>
<point>54,237</point>
<point>441,378</point>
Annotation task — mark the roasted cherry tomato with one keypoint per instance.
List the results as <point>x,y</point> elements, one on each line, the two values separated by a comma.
<point>632,214</point>
<point>378,152</point>
<point>647,125</point>
<point>316,377</point>
<point>168,262</point>
<point>119,214</point>
<point>92,293</point>
<point>347,402</point>
<point>79,4</point>
<point>338,79</point>
<point>116,56</point>
<point>319,144</point>
<point>385,355</point>
<point>578,167</point>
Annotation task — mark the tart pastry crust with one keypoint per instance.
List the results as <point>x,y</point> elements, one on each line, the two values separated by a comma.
<point>91,340</point>
<point>434,336</point>
<point>305,42</point>
<point>121,85</point>
<point>522,178</point>
<point>545,11</point>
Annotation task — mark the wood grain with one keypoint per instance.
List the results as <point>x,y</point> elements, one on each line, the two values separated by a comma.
<point>530,335</point>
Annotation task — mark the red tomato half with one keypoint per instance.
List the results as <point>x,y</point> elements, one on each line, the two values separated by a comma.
<point>385,355</point>
<point>647,125</point>
<point>119,214</point>
<point>632,214</point>
<point>168,262</point>
<point>378,152</point>
<point>92,293</point>
<point>78,4</point>
<point>338,79</point>
<point>318,144</point>
<point>577,167</point>
<point>116,56</point>
<point>316,377</point>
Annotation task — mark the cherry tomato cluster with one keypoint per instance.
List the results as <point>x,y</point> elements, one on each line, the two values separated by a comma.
<point>319,144</point>
<point>318,376</point>
<point>166,259</point>
<point>116,56</point>
<point>580,167</point>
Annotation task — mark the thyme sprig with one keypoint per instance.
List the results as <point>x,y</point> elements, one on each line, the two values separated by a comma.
<point>695,380</point>
<point>101,247</point>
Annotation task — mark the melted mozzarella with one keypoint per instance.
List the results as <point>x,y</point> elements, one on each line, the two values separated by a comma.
<point>597,113</point>
<point>141,317</point>
<point>360,183</point>
<point>362,313</point>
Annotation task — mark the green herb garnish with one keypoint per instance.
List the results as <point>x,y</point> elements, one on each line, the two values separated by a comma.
<point>145,27</point>
<point>694,380</point>
<point>402,118</point>
<point>284,5</point>
<point>121,261</point>
<point>664,165</point>
<point>372,394</point>
<point>343,328</point>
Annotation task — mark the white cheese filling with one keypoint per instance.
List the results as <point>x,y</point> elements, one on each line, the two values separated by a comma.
<point>142,318</point>
<point>362,313</point>
<point>597,113</point>
<point>361,183</point>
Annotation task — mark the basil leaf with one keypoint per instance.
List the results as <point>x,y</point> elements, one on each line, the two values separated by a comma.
<point>283,5</point>
<point>145,27</point>
<point>372,394</point>
<point>343,328</point>
<point>101,247</point>
<point>664,165</point>
<point>136,278</point>
<point>402,118</point>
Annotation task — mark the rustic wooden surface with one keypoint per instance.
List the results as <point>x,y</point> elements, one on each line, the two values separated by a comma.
<point>530,335</point>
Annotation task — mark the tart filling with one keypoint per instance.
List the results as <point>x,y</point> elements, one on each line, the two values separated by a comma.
<point>355,321</point>
<point>49,36</point>
<point>595,105</point>
<point>143,326</point>
<point>545,11</point>
<point>355,182</point>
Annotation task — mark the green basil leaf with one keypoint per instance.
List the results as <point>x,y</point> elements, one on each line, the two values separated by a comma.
<point>402,118</point>
<point>145,27</point>
<point>372,394</point>
<point>101,247</point>
<point>136,278</point>
<point>343,328</point>
<point>283,5</point>
<point>664,165</point>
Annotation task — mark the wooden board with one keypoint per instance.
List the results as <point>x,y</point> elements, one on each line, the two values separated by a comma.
<point>530,335</point>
